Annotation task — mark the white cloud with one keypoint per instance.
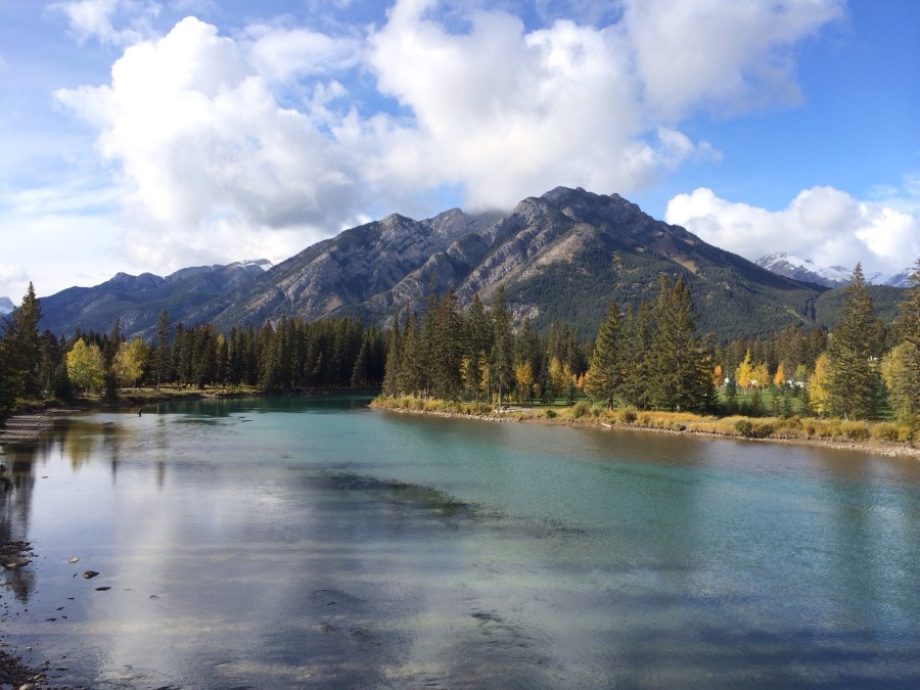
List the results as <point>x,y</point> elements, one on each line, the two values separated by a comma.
<point>281,54</point>
<point>203,146</point>
<point>97,19</point>
<point>822,223</point>
<point>714,53</point>
<point>507,113</point>
<point>222,145</point>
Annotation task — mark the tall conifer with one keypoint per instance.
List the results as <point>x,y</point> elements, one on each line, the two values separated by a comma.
<point>853,373</point>
<point>604,376</point>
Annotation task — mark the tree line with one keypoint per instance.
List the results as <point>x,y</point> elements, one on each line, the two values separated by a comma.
<point>283,356</point>
<point>648,358</point>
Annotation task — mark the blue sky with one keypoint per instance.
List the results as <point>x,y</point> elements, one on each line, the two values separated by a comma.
<point>147,135</point>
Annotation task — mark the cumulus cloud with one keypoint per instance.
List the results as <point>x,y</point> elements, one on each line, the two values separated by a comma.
<point>284,131</point>
<point>203,145</point>
<point>823,224</point>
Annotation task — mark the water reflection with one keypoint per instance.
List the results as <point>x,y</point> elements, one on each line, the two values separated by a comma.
<point>338,547</point>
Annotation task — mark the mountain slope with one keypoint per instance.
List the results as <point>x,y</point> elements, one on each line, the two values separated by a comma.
<point>562,256</point>
<point>6,305</point>
<point>138,300</point>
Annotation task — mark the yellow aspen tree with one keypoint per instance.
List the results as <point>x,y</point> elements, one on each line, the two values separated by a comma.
<point>817,385</point>
<point>743,373</point>
<point>717,376</point>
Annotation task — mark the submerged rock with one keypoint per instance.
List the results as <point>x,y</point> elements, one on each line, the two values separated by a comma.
<point>89,574</point>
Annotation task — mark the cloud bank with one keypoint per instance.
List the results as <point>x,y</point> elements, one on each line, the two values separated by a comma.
<point>280,134</point>
<point>823,224</point>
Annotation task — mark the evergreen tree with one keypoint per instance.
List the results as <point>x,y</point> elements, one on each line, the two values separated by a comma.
<point>909,327</point>
<point>478,343</point>
<point>853,372</point>
<point>604,377</point>
<point>447,349</point>
<point>637,363</point>
<point>163,354</point>
<point>681,378</point>
<point>394,357</point>
<point>25,345</point>
<point>501,362</point>
<point>412,364</point>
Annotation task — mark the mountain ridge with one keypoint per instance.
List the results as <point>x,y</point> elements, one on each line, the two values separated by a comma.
<point>561,256</point>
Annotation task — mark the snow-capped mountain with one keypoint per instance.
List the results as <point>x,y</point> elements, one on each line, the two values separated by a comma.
<point>807,270</point>
<point>6,305</point>
<point>901,280</point>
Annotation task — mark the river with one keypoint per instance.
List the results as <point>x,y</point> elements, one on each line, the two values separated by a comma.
<point>279,543</point>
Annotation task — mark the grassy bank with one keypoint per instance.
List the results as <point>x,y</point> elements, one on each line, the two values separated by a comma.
<point>871,435</point>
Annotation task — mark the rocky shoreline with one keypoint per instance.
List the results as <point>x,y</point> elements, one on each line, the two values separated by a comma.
<point>14,672</point>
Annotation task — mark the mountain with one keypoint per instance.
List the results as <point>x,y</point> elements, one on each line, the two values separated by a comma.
<point>6,305</point>
<point>561,256</point>
<point>808,271</point>
<point>138,300</point>
<point>805,270</point>
<point>902,279</point>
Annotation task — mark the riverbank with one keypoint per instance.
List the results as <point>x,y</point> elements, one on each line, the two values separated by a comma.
<point>30,418</point>
<point>881,438</point>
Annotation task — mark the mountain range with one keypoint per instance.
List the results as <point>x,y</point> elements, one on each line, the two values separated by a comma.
<point>806,270</point>
<point>562,256</point>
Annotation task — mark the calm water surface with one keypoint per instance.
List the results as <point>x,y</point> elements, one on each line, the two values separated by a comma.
<point>289,543</point>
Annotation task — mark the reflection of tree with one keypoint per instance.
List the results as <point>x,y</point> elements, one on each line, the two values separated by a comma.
<point>15,508</point>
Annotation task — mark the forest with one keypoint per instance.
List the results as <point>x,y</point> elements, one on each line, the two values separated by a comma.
<point>648,357</point>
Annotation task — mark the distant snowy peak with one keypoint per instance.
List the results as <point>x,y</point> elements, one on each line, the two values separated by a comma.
<point>807,270</point>
<point>901,280</point>
<point>6,305</point>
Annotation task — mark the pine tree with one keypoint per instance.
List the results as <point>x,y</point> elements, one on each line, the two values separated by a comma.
<point>412,364</point>
<point>478,343</point>
<point>637,369</point>
<point>853,376</point>
<point>501,362</point>
<point>25,345</point>
<point>163,354</point>
<point>909,327</point>
<point>394,357</point>
<point>446,349</point>
<point>604,377</point>
<point>681,379</point>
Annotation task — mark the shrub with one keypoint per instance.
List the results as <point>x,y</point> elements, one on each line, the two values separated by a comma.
<point>743,427</point>
<point>581,409</point>
<point>551,414</point>
<point>855,431</point>
<point>628,415</point>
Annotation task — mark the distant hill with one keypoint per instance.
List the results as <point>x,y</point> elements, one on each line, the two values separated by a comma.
<point>6,305</point>
<point>138,300</point>
<point>562,256</point>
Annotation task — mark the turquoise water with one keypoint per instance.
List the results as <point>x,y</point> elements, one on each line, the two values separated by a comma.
<point>296,543</point>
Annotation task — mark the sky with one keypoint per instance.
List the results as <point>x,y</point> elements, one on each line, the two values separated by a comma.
<point>151,135</point>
